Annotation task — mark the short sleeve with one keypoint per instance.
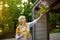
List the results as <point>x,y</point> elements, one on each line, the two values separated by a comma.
<point>32,23</point>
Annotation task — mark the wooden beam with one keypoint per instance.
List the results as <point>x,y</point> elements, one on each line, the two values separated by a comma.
<point>55,3</point>
<point>37,8</point>
<point>55,10</point>
<point>36,3</point>
<point>48,27</point>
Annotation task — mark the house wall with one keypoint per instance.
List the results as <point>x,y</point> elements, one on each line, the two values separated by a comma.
<point>41,29</point>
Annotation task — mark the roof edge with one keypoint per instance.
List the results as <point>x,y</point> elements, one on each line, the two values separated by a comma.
<point>35,3</point>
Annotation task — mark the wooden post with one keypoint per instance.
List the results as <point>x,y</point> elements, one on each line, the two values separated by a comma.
<point>33,25</point>
<point>41,29</point>
<point>48,28</point>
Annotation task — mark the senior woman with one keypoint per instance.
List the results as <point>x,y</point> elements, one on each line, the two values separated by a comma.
<point>23,29</point>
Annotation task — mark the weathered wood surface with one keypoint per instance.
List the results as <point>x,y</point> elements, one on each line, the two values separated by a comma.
<point>41,29</point>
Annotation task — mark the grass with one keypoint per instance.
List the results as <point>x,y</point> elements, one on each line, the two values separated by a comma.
<point>55,31</point>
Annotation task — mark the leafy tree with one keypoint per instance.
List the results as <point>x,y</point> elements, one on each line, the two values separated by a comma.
<point>54,20</point>
<point>9,15</point>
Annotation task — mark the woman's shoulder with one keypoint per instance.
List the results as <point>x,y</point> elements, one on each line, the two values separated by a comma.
<point>28,22</point>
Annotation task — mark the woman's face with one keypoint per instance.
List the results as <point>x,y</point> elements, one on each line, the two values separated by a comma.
<point>23,20</point>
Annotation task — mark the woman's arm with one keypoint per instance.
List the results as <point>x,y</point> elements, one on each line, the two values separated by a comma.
<point>41,14</point>
<point>36,20</point>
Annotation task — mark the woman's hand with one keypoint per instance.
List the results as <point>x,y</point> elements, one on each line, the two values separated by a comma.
<point>42,13</point>
<point>21,36</point>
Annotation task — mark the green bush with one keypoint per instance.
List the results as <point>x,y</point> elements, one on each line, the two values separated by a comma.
<point>55,31</point>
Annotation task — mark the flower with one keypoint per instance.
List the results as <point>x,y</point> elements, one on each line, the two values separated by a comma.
<point>44,7</point>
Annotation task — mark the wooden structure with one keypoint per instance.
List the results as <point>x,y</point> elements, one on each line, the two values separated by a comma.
<point>41,29</point>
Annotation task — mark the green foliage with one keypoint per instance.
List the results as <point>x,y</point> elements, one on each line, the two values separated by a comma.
<point>54,17</point>
<point>43,9</point>
<point>6,29</point>
<point>54,22</point>
<point>10,15</point>
<point>33,1</point>
<point>55,31</point>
